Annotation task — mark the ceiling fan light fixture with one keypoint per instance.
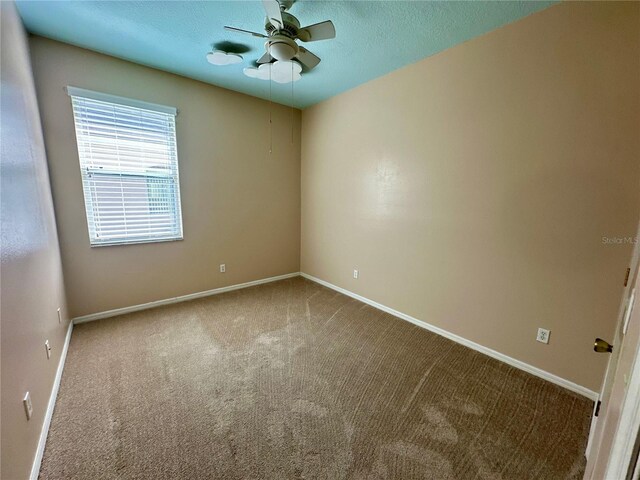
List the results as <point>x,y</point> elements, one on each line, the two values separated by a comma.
<point>279,71</point>
<point>282,48</point>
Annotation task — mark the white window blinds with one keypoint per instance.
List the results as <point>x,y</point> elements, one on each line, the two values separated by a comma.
<point>129,166</point>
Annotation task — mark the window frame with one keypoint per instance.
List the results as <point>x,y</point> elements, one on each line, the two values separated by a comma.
<point>87,171</point>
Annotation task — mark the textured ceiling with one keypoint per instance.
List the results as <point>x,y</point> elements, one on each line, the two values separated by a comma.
<point>373,37</point>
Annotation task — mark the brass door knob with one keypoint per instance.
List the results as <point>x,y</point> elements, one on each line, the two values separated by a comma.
<point>602,346</point>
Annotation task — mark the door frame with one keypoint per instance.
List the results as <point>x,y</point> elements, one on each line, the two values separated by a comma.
<point>599,460</point>
<point>628,427</point>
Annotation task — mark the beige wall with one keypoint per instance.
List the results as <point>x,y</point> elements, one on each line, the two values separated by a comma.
<point>30,270</point>
<point>240,205</point>
<point>472,189</point>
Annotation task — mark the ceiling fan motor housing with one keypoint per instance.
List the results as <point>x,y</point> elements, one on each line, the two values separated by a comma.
<point>290,27</point>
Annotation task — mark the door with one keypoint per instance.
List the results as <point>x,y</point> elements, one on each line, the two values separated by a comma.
<point>620,394</point>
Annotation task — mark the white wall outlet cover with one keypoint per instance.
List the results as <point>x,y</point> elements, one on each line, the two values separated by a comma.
<point>28,407</point>
<point>356,273</point>
<point>543,335</point>
<point>47,347</point>
<point>223,268</point>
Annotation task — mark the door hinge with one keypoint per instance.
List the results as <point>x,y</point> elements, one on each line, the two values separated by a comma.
<point>598,408</point>
<point>626,277</point>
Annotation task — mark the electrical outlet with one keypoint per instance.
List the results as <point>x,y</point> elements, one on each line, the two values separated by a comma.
<point>543,335</point>
<point>59,315</point>
<point>356,274</point>
<point>47,348</point>
<point>223,268</point>
<point>28,407</point>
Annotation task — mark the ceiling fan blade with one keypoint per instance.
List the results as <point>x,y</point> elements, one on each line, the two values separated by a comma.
<point>247,32</point>
<point>318,31</point>
<point>266,58</point>
<point>272,7</point>
<point>307,58</point>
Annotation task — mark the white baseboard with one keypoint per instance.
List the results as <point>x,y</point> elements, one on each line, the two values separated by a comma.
<point>35,468</point>
<point>182,298</point>
<point>574,387</point>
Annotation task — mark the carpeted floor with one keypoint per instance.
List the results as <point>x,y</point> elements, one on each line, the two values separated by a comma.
<point>292,380</point>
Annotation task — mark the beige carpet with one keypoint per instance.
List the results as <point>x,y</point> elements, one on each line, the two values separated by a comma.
<point>292,380</point>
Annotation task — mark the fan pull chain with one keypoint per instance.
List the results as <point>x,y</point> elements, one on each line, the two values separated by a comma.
<point>292,128</point>
<point>270,110</point>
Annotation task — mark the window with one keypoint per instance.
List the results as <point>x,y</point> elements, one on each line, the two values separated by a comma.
<point>129,166</point>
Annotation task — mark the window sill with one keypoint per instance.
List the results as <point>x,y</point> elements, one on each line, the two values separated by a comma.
<point>136,242</point>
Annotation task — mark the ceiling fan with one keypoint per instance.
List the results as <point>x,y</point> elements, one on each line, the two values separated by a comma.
<point>283,29</point>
